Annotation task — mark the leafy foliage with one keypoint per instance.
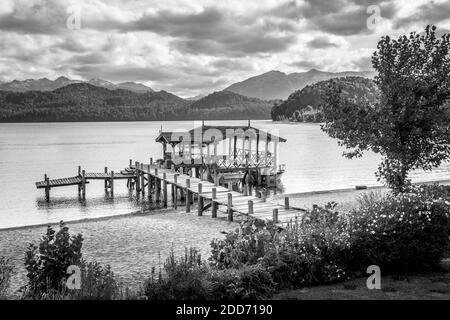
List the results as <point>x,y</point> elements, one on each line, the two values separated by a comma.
<point>47,263</point>
<point>409,126</point>
<point>400,232</point>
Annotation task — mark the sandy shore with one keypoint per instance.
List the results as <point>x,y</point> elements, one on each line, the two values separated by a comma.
<point>132,244</point>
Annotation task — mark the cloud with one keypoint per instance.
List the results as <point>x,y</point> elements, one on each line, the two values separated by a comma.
<point>427,13</point>
<point>321,43</point>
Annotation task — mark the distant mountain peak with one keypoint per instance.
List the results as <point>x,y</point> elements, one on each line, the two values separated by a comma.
<point>275,84</point>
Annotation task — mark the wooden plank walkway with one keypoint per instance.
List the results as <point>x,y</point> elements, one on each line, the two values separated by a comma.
<point>239,203</point>
<point>153,180</point>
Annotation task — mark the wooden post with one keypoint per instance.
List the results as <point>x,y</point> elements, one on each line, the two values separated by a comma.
<point>214,209</point>
<point>214,203</point>
<point>151,161</point>
<point>250,207</point>
<point>200,199</point>
<point>263,195</point>
<point>47,188</point>
<point>79,185</point>
<point>230,186</point>
<point>275,215</point>
<point>230,203</point>
<point>106,180</point>
<point>138,183</point>
<point>164,189</point>
<point>188,198</point>
<point>216,178</point>
<point>175,191</point>
<point>83,184</point>
<point>157,189</point>
<point>142,179</point>
<point>286,202</point>
<point>111,184</point>
<point>149,186</point>
<point>131,162</point>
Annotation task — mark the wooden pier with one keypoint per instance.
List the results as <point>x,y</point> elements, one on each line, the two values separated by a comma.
<point>155,181</point>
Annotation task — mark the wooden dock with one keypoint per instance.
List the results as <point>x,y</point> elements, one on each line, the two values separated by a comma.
<point>156,182</point>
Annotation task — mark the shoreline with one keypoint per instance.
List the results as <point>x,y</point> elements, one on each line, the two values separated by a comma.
<point>131,244</point>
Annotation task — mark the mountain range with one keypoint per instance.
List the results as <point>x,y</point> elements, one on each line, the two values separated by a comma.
<point>278,85</point>
<point>64,99</point>
<point>45,84</point>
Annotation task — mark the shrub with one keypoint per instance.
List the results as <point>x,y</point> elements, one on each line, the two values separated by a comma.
<point>6,272</point>
<point>249,282</point>
<point>181,279</point>
<point>47,263</point>
<point>98,282</point>
<point>306,252</point>
<point>399,232</point>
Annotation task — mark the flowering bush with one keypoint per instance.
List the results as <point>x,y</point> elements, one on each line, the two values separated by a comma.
<point>306,252</point>
<point>400,232</point>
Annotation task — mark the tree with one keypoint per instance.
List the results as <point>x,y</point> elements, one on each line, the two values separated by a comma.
<point>409,125</point>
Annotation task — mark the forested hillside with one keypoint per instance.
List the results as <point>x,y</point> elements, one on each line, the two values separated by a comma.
<point>305,105</point>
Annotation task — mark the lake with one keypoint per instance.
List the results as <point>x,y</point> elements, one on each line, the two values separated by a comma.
<point>28,150</point>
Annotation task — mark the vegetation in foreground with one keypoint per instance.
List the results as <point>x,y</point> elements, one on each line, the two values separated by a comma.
<point>402,233</point>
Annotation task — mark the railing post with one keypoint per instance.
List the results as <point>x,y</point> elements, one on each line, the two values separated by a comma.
<point>164,190</point>
<point>47,188</point>
<point>188,198</point>
<point>83,184</point>
<point>142,179</point>
<point>286,202</point>
<point>149,186</point>
<point>200,199</point>
<point>106,179</point>
<point>250,207</point>
<point>111,184</point>
<point>138,182</point>
<point>275,215</point>
<point>230,204</point>
<point>131,162</point>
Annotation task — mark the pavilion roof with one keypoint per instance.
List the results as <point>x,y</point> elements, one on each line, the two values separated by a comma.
<point>216,133</point>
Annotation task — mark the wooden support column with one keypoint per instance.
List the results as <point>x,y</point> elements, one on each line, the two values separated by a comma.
<point>286,202</point>
<point>47,188</point>
<point>142,179</point>
<point>200,199</point>
<point>214,203</point>
<point>175,191</point>
<point>234,147</point>
<point>275,215</point>
<point>83,184</point>
<point>79,185</point>
<point>138,182</point>
<point>106,180</point>
<point>111,184</point>
<point>149,186</point>
<point>230,204</point>
<point>157,186</point>
<point>188,197</point>
<point>164,190</point>
<point>250,207</point>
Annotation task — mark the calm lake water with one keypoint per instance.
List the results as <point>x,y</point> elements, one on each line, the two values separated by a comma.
<point>27,151</point>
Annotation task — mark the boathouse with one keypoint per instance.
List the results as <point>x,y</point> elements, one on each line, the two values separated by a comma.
<point>234,153</point>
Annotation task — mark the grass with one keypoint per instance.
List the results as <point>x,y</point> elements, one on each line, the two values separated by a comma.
<point>429,286</point>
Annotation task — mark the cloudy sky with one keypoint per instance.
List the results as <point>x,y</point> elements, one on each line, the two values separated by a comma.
<point>194,47</point>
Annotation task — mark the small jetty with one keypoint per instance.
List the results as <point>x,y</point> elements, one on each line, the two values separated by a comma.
<point>234,184</point>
